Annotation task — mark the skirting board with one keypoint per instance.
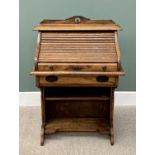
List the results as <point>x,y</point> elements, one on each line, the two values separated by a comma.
<point>33,98</point>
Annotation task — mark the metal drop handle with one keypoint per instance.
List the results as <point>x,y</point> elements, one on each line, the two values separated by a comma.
<point>104,68</point>
<point>51,67</point>
<point>76,68</point>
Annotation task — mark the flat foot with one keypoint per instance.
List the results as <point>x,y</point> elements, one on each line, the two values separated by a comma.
<point>42,142</point>
<point>112,140</point>
<point>42,138</point>
<point>111,136</point>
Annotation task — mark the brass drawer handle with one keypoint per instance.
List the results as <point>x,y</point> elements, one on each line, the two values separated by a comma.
<point>104,68</point>
<point>76,68</point>
<point>51,78</point>
<point>102,78</point>
<point>51,68</point>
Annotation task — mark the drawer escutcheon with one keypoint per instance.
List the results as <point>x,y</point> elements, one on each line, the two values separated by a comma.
<point>102,78</point>
<point>51,78</point>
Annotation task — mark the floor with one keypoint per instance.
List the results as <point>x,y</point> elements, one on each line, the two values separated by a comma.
<point>78,143</point>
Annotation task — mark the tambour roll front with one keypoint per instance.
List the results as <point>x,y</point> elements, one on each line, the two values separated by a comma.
<point>77,66</point>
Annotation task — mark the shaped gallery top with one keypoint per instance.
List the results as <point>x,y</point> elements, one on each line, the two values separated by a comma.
<point>77,23</point>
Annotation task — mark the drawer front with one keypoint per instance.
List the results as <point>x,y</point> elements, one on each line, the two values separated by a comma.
<point>89,67</point>
<point>82,80</point>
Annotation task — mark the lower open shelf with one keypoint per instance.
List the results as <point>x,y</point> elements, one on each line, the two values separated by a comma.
<point>77,124</point>
<point>80,98</point>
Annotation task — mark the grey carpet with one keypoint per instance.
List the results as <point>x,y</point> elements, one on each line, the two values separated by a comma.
<point>78,143</point>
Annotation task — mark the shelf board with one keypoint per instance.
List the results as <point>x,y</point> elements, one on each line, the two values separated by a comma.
<point>101,98</point>
<point>77,124</point>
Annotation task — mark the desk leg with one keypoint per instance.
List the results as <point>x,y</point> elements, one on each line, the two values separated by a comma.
<point>111,116</point>
<point>42,138</point>
<point>43,117</point>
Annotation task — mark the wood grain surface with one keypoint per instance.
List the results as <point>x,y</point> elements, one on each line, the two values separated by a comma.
<point>77,67</point>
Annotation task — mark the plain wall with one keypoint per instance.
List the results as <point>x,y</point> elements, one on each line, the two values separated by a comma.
<point>122,12</point>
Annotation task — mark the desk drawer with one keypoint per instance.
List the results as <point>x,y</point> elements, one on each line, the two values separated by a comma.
<point>90,67</point>
<point>69,80</point>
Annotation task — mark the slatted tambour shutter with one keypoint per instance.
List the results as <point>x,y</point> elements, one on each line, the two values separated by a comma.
<point>77,47</point>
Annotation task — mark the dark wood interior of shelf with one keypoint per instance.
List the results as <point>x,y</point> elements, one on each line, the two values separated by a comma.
<point>77,124</point>
<point>84,98</point>
<point>102,92</point>
<point>77,109</point>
